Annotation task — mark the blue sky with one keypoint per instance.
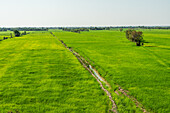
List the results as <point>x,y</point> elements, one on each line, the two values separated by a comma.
<point>20,13</point>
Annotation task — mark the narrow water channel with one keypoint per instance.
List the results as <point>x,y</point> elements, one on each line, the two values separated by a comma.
<point>97,75</point>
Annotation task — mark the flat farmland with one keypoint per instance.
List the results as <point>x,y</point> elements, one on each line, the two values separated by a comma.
<point>143,71</point>
<point>38,74</point>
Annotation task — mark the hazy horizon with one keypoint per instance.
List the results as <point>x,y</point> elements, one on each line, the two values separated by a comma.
<point>84,13</point>
<point>88,26</point>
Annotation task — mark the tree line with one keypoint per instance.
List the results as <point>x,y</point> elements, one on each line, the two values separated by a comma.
<point>143,27</point>
<point>16,34</point>
<point>77,29</point>
<point>25,29</point>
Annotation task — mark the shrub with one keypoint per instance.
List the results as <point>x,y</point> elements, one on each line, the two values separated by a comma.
<point>17,33</point>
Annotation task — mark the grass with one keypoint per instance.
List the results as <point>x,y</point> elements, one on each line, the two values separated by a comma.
<point>38,74</point>
<point>143,71</point>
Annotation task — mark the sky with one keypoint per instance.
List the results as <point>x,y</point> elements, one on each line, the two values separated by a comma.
<point>54,13</point>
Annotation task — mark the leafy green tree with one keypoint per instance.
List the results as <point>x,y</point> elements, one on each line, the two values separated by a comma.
<point>135,36</point>
<point>17,33</point>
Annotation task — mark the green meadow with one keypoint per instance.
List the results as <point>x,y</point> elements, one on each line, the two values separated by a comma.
<point>39,75</point>
<point>144,71</point>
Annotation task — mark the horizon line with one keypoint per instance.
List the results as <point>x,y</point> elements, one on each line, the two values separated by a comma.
<point>158,25</point>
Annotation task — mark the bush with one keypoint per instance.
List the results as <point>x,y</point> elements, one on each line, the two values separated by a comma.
<point>17,33</point>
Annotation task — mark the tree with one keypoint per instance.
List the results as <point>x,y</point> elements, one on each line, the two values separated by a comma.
<point>11,35</point>
<point>75,30</point>
<point>24,33</point>
<point>17,33</point>
<point>135,36</point>
<point>121,29</point>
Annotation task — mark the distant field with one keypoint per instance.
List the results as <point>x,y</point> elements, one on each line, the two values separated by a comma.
<point>38,74</point>
<point>143,71</point>
<point>4,34</point>
<point>7,33</point>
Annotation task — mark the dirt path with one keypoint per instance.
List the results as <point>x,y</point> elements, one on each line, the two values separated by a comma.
<point>93,71</point>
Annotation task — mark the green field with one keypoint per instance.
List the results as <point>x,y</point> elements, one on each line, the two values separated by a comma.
<point>38,74</point>
<point>143,71</point>
<point>4,34</point>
